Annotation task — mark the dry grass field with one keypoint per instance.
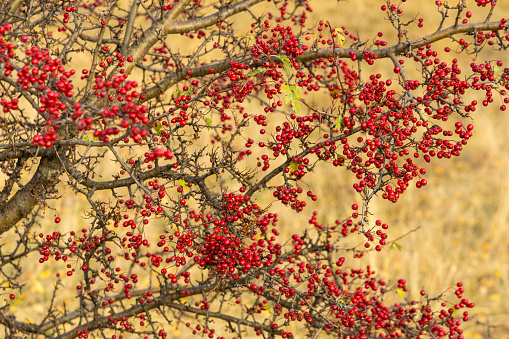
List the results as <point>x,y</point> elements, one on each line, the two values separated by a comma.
<point>461,218</point>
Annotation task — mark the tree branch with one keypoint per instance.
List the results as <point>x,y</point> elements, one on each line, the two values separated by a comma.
<point>191,25</point>
<point>398,49</point>
<point>22,203</point>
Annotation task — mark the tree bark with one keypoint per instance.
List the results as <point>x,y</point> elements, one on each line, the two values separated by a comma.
<point>23,201</point>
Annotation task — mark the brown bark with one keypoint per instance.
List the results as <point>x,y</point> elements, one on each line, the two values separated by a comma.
<point>23,201</point>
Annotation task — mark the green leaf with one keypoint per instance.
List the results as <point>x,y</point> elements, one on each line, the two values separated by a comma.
<point>250,37</point>
<point>293,166</point>
<point>401,293</point>
<point>182,183</point>
<point>287,66</point>
<point>339,122</point>
<point>96,139</point>
<point>341,299</point>
<point>86,138</point>
<point>177,92</point>
<point>340,36</point>
<point>296,90</point>
<point>158,127</point>
<point>395,246</point>
<point>209,123</point>
<point>341,156</point>
<point>250,74</point>
<point>296,106</point>
<point>292,97</point>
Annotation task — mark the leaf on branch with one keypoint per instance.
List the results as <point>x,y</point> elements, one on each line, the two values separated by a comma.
<point>209,123</point>
<point>158,127</point>
<point>339,122</point>
<point>341,156</point>
<point>251,74</point>
<point>177,92</point>
<point>183,184</point>
<point>287,66</point>
<point>250,37</point>
<point>293,166</point>
<point>395,246</point>
<point>292,97</point>
<point>340,36</point>
<point>401,293</point>
<point>296,106</point>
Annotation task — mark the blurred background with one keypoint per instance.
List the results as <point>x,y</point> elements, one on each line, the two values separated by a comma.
<point>461,218</point>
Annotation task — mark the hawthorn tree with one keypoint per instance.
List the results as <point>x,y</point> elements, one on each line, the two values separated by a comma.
<point>197,115</point>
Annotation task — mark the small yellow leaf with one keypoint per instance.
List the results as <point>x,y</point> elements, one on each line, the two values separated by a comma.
<point>401,293</point>
<point>495,297</point>
<point>44,274</point>
<point>340,36</point>
<point>38,286</point>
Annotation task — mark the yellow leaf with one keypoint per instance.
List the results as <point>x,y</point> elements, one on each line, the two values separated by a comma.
<point>38,286</point>
<point>401,293</point>
<point>495,297</point>
<point>44,274</point>
<point>340,36</point>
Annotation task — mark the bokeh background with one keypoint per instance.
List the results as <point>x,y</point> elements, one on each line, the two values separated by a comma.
<point>454,229</point>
